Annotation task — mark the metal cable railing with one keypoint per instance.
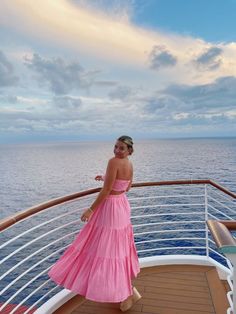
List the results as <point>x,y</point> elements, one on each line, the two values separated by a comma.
<point>159,230</point>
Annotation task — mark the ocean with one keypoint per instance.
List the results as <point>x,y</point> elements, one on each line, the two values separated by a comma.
<point>35,173</point>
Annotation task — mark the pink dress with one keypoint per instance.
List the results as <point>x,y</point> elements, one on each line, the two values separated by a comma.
<point>102,260</point>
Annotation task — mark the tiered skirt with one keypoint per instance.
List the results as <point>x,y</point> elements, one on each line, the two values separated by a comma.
<point>102,260</point>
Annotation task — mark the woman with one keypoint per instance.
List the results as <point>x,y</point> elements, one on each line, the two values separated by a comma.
<point>102,260</point>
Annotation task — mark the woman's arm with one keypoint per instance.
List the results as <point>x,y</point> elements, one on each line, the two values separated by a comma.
<point>106,189</point>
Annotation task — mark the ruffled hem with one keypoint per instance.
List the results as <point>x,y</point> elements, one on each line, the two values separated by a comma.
<point>99,279</point>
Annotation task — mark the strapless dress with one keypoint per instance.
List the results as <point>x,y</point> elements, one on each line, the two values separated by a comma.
<point>102,260</point>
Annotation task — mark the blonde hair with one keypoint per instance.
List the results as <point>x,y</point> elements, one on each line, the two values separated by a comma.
<point>128,141</point>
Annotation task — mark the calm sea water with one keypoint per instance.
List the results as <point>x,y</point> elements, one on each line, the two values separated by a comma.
<point>31,174</point>
<point>34,173</point>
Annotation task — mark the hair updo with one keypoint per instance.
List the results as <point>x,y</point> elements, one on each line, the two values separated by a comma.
<point>128,141</point>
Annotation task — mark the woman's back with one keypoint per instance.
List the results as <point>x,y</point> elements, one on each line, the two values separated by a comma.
<point>124,169</point>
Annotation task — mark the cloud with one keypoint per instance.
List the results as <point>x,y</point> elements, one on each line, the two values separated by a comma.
<point>166,112</point>
<point>195,109</point>
<point>121,9</point>
<point>193,81</point>
<point>69,114</point>
<point>121,92</point>
<point>210,59</point>
<point>59,75</point>
<point>105,83</point>
<point>218,95</point>
<point>97,34</point>
<point>85,30</point>
<point>158,103</point>
<point>206,120</point>
<point>67,105</point>
<point>160,57</point>
<point>7,76</point>
<point>8,99</point>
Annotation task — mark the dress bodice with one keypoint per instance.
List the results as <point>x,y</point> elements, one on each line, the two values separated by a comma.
<point>120,185</point>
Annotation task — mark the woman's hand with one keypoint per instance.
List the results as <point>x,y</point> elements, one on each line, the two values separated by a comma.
<point>86,215</point>
<point>99,178</point>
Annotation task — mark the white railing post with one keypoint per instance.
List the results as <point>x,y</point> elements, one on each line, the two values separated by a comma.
<point>232,259</point>
<point>206,218</point>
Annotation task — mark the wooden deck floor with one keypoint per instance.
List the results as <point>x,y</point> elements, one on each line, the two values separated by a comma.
<point>174,289</point>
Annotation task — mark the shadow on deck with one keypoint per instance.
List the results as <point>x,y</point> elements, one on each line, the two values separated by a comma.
<point>173,289</point>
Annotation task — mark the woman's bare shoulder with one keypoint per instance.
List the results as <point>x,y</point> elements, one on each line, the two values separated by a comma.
<point>113,160</point>
<point>118,161</point>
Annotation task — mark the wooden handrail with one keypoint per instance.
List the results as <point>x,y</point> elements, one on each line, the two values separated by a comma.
<point>187,182</point>
<point>229,224</point>
<point>221,233</point>
<point>11,220</point>
<point>222,189</point>
<point>7,222</point>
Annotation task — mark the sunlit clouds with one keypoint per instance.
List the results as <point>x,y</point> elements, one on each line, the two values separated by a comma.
<point>108,37</point>
<point>78,68</point>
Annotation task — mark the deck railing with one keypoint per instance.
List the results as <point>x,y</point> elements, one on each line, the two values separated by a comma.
<point>221,231</point>
<point>169,221</point>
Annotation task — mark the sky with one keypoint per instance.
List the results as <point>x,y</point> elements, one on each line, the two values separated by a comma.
<point>96,69</point>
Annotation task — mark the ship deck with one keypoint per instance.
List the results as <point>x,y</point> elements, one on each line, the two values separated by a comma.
<point>171,289</point>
